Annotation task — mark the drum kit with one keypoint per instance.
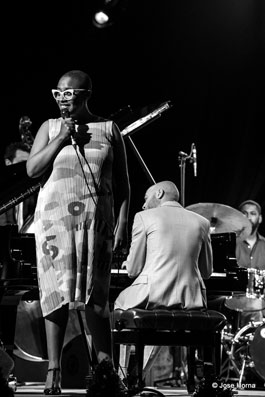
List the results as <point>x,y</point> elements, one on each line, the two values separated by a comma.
<point>243,339</point>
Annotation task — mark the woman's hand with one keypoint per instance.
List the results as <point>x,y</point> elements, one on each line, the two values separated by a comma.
<point>67,127</point>
<point>120,236</point>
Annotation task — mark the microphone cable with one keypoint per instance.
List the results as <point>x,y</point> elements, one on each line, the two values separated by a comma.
<point>74,144</point>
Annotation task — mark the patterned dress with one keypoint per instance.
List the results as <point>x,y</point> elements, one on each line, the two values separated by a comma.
<point>74,221</point>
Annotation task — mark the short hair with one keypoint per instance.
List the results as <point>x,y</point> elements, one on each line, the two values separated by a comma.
<point>252,202</point>
<point>11,149</point>
<point>82,77</point>
<point>170,189</point>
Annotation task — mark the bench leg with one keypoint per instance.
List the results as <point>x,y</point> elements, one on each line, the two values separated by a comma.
<point>124,358</point>
<point>217,354</point>
<point>135,372</point>
<point>191,368</point>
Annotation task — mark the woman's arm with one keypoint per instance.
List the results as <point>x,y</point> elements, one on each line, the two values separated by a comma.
<point>123,191</point>
<point>43,152</point>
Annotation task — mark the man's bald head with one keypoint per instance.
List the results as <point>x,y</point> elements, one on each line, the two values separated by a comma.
<point>159,193</point>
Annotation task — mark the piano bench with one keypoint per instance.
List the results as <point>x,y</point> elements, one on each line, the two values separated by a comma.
<point>191,328</point>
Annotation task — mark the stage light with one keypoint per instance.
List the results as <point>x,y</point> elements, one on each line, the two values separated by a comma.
<point>101,19</point>
<point>108,13</point>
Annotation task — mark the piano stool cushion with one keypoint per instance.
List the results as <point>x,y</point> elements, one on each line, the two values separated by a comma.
<point>191,328</point>
<point>171,320</point>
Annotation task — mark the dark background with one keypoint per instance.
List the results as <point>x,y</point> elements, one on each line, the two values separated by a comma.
<point>206,57</point>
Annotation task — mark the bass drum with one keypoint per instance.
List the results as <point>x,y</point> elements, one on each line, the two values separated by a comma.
<point>248,347</point>
<point>257,350</point>
<point>30,336</point>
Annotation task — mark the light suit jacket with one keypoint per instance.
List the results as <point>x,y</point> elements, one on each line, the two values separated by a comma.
<point>169,256</point>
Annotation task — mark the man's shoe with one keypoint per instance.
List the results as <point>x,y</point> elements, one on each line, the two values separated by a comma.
<point>105,382</point>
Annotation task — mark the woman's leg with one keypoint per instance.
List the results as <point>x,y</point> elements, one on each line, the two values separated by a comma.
<point>55,325</point>
<point>98,323</point>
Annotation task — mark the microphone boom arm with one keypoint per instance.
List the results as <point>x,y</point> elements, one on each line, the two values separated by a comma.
<point>138,124</point>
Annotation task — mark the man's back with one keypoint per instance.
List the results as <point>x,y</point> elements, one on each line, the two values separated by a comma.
<point>169,255</point>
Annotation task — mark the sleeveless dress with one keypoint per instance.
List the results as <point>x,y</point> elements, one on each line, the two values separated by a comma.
<point>74,222</point>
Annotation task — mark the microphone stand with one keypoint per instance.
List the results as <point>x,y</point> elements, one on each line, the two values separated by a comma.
<point>182,158</point>
<point>140,159</point>
<point>140,123</point>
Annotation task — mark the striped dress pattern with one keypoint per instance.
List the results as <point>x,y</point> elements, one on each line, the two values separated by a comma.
<point>74,221</point>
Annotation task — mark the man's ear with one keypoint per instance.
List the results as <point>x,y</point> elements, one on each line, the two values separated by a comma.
<point>260,219</point>
<point>160,193</point>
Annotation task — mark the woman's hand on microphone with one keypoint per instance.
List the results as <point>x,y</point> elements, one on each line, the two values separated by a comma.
<point>68,127</point>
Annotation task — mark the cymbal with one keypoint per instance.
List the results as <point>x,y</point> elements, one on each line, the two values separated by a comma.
<point>223,218</point>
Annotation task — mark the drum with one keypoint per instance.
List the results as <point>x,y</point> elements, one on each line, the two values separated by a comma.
<point>30,336</point>
<point>257,350</point>
<point>256,283</point>
<point>242,303</point>
<point>248,347</point>
<point>254,298</point>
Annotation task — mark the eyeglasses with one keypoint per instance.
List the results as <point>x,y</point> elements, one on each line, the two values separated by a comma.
<point>67,95</point>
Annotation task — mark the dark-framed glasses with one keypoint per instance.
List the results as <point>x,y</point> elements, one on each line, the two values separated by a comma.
<point>67,95</point>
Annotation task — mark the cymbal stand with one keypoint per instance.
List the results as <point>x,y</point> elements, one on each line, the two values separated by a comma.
<point>242,373</point>
<point>229,364</point>
<point>182,158</point>
<point>239,345</point>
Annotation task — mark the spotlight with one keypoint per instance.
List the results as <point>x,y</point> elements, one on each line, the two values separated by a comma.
<point>101,19</point>
<point>108,13</point>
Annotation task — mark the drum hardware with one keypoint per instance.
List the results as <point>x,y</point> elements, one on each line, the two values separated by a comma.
<point>244,350</point>
<point>229,362</point>
<point>239,347</point>
<point>256,283</point>
<point>254,298</point>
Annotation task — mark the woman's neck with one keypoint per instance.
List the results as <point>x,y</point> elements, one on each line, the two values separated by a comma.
<point>84,116</point>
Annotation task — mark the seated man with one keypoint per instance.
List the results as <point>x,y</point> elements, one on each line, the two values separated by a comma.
<point>169,256</point>
<point>250,253</point>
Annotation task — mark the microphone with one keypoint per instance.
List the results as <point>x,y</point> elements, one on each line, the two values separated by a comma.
<point>65,114</point>
<point>183,154</point>
<point>194,156</point>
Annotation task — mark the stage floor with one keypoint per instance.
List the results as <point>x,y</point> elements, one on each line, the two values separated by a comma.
<point>36,390</point>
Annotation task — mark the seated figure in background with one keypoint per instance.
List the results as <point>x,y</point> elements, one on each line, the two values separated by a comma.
<point>170,255</point>
<point>250,253</point>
